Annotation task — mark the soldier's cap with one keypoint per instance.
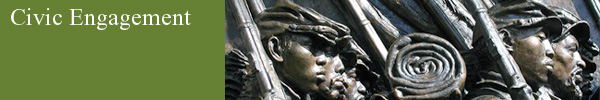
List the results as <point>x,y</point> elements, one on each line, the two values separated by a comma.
<point>572,25</point>
<point>525,18</point>
<point>287,17</point>
<point>580,29</point>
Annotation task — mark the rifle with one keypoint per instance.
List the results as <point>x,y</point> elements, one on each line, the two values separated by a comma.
<point>594,5</point>
<point>514,80</point>
<point>256,6</point>
<point>386,30</point>
<point>454,19</point>
<point>373,39</point>
<point>269,83</point>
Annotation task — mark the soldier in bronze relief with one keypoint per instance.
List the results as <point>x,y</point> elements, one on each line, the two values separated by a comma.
<point>568,64</point>
<point>305,49</point>
<point>567,69</point>
<point>525,28</point>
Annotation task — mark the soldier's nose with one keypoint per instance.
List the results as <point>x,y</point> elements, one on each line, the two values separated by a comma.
<point>548,49</point>
<point>580,64</point>
<point>321,61</point>
<point>339,69</point>
<point>550,53</point>
<point>578,60</point>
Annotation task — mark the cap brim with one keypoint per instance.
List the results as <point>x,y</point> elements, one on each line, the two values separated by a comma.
<point>581,30</point>
<point>552,26</point>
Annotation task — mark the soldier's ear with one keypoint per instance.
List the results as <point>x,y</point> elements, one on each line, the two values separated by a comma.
<point>274,49</point>
<point>507,39</point>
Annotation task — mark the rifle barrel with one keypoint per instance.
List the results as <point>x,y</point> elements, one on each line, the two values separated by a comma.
<point>459,33</point>
<point>256,6</point>
<point>593,5</point>
<point>372,37</point>
<point>268,80</point>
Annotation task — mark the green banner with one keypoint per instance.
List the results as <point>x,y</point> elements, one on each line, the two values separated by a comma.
<point>49,52</point>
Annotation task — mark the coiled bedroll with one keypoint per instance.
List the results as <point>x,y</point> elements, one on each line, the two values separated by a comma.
<point>424,66</point>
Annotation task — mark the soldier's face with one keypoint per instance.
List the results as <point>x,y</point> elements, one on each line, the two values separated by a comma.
<point>312,67</point>
<point>534,55</point>
<point>567,67</point>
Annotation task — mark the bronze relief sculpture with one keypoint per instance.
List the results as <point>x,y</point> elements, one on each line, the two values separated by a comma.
<point>408,49</point>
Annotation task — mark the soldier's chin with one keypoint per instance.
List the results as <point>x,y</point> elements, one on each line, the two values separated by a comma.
<point>574,94</point>
<point>572,90</point>
<point>577,93</point>
<point>329,92</point>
